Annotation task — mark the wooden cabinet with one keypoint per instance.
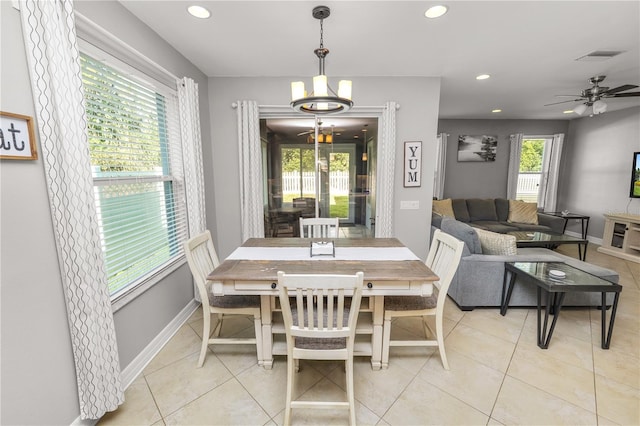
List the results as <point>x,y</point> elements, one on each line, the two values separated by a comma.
<point>622,236</point>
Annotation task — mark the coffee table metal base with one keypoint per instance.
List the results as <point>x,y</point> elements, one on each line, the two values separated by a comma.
<point>553,306</point>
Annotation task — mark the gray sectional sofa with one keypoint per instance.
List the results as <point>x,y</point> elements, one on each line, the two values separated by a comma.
<point>478,281</point>
<point>492,214</point>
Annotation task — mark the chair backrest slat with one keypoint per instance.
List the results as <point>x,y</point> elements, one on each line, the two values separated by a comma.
<point>320,303</point>
<point>443,259</point>
<point>319,227</point>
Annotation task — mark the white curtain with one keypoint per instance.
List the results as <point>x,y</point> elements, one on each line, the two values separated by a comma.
<point>52,53</point>
<point>188,101</point>
<point>441,160</point>
<point>386,172</point>
<point>551,185</point>
<point>250,161</point>
<point>515,148</point>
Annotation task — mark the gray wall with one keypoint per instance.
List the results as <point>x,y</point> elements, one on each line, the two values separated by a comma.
<point>37,370</point>
<point>487,179</point>
<point>416,121</point>
<point>596,167</point>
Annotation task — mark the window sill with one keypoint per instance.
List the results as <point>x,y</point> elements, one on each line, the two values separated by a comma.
<point>121,300</point>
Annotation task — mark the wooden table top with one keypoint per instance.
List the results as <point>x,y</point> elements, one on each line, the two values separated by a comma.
<point>378,270</point>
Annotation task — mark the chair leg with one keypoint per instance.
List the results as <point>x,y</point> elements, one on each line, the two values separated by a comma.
<point>290,378</point>
<point>206,332</point>
<point>386,341</point>
<point>440,338</point>
<point>350,392</point>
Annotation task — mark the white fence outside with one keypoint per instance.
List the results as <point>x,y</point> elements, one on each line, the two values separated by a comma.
<point>291,182</point>
<point>528,185</point>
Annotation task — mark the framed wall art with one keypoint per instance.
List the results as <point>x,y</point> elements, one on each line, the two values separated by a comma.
<point>17,138</point>
<point>477,148</point>
<point>412,164</point>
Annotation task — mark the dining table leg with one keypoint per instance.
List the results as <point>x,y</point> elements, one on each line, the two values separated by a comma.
<point>267,337</point>
<point>376,338</point>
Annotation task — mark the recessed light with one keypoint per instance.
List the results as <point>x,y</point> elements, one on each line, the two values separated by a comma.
<point>483,77</point>
<point>436,11</point>
<point>569,111</point>
<point>199,12</point>
<point>496,110</point>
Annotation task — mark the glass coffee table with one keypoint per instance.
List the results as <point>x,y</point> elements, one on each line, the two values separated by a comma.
<point>557,279</point>
<point>549,240</point>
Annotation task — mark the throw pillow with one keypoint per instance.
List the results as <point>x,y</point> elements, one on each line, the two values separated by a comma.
<point>494,243</point>
<point>521,212</point>
<point>443,207</point>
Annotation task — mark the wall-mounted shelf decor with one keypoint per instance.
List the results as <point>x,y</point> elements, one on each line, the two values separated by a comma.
<point>412,163</point>
<point>17,138</point>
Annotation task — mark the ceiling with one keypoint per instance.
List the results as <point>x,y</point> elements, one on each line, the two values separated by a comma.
<point>528,47</point>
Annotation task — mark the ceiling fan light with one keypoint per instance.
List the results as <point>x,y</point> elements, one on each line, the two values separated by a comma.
<point>580,109</point>
<point>599,107</point>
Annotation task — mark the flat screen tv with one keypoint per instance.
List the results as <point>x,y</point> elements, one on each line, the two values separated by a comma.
<point>634,192</point>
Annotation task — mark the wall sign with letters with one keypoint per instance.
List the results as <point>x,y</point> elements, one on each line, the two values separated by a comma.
<point>17,139</point>
<point>412,163</point>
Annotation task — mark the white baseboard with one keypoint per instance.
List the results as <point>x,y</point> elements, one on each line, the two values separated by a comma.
<point>591,239</point>
<point>135,367</point>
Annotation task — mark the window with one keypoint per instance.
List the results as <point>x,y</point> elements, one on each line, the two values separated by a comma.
<point>530,172</point>
<point>135,149</point>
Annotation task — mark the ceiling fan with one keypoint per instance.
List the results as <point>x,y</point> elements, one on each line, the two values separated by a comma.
<point>592,97</point>
<point>324,135</point>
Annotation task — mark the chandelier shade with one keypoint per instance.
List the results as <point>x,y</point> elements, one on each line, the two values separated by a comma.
<point>323,99</point>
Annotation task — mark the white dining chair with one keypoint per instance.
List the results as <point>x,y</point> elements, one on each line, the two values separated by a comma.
<point>443,259</point>
<point>320,313</point>
<point>202,259</point>
<point>320,227</point>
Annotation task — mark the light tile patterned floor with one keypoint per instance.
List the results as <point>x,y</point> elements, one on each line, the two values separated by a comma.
<point>498,375</point>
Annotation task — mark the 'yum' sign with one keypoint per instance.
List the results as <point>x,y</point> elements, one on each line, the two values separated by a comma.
<point>412,163</point>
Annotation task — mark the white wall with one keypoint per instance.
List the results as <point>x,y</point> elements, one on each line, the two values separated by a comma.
<point>416,121</point>
<point>596,166</point>
<point>37,369</point>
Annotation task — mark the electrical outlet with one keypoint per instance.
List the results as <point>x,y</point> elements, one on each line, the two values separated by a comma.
<point>409,205</point>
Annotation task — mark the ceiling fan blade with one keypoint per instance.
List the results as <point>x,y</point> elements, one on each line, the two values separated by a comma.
<point>564,102</point>
<point>305,133</point>
<point>568,96</point>
<point>624,95</point>
<point>620,89</point>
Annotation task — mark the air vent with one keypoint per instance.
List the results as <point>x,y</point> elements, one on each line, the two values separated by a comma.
<point>599,55</point>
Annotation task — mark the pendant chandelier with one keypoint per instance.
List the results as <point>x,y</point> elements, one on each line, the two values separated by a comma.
<point>323,99</point>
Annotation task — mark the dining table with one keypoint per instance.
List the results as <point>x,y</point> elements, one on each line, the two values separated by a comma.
<point>389,267</point>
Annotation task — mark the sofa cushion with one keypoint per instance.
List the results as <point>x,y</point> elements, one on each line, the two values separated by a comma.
<point>521,212</point>
<point>481,209</point>
<point>460,209</point>
<point>502,209</point>
<point>494,243</point>
<point>464,233</point>
<point>500,228</point>
<point>443,207</point>
<point>436,219</point>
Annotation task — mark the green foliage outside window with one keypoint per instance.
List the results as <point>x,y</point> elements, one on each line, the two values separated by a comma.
<point>531,155</point>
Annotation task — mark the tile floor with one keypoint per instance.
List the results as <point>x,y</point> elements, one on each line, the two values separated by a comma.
<point>498,375</point>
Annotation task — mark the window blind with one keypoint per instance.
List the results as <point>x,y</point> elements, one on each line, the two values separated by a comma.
<point>136,158</point>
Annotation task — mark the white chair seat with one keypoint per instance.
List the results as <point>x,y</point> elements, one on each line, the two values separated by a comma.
<point>409,303</point>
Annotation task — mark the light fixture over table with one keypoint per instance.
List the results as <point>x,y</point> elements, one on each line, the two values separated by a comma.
<point>323,99</point>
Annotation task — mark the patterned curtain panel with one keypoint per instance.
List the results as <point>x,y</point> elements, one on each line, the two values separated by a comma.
<point>514,165</point>
<point>386,171</point>
<point>551,193</point>
<point>192,157</point>
<point>250,160</point>
<point>52,52</point>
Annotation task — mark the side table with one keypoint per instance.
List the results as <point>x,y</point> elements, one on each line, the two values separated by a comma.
<point>584,221</point>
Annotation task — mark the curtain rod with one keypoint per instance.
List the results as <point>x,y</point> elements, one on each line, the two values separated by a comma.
<point>234,105</point>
